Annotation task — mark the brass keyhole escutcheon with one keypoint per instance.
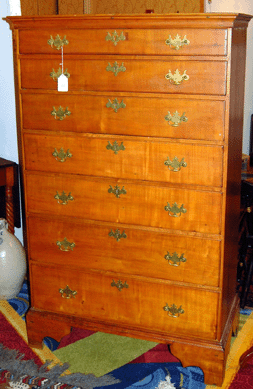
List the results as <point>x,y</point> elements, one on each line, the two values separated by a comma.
<point>175,210</point>
<point>115,38</point>
<point>61,156</point>
<point>65,245</point>
<point>115,68</point>
<point>117,235</point>
<point>120,285</point>
<point>57,42</point>
<point>56,74</point>
<point>117,191</point>
<point>174,259</point>
<point>115,147</point>
<point>178,42</point>
<point>173,311</point>
<point>177,78</point>
<point>60,113</point>
<point>175,165</point>
<point>63,199</point>
<point>175,120</point>
<point>115,105</point>
<point>67,293</point>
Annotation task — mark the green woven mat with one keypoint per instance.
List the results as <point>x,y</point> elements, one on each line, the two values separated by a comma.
<point>101,353</point>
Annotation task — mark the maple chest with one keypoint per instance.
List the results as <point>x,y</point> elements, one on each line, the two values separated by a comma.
<point>130,132</point>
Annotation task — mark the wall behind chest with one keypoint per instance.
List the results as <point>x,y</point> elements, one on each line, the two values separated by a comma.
<point>8,134</point>
<point>63,7</point>
<point>159,6</point>
<point>243,6</point>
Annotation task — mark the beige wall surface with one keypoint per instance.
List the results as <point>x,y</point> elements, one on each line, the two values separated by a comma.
<point>140,6</point>
<point>246,7</point>
<point>72,7</point>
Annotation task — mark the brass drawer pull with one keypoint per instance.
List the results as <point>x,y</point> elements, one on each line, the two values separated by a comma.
<point>175,165</point>
<point>117,235</point>
<point>175,211</point>
<point>67,293</point>
<point>61,156</point>
<point>115,68</point>
<point>177,43</point>
<point>173,311</point>
<point>175,119</point>
<point>115,38</point>
<point>115,105</point>
<point>177,78</point>
<point>120,285</point>
<point>175,259</point>
<point>115,147</point>
<point>64,245</point>
<point>55,75</point>
<point>60,113</point>
<point>117,191</point>
<point>57,43</point>
<point>63,199</point>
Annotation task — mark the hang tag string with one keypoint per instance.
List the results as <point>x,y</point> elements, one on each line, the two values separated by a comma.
<point>61,60</point>
<point>62,84</point>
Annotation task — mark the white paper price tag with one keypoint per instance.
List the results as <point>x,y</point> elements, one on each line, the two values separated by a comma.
<point>63,83</point>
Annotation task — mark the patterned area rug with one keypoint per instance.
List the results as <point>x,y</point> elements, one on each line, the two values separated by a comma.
<point>155,368</point>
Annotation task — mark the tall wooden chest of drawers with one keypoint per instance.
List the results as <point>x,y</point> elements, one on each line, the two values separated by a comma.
<point>131,177</point>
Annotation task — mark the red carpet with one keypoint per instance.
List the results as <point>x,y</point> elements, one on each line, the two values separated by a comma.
<point>244,377</point>
<point>12,340</point>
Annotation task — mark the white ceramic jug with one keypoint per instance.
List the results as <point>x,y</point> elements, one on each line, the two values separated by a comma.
<point>12,263</point>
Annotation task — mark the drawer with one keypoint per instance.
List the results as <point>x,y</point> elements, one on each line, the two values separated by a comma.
<point>126,115</point>
<point>120,201</point>
<point>125,250</point>
<point>127,41</point>
<point>142,159</point>
<point>120,73</point>
<point>96,298</point>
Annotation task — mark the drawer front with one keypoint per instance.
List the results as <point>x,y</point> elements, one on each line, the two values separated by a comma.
<point>96,298</point>
<point>125,250</point>
<point>126,41</point>
<point>124,202</point>
<point>126,115</point>
<point>126,158</point>
<point>121,73</point>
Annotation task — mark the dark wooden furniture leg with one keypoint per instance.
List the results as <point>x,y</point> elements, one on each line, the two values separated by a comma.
<point>9,179</point>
